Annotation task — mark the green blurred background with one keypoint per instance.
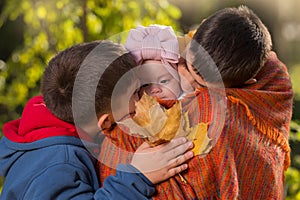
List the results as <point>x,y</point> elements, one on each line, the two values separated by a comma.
<point>32,31</point>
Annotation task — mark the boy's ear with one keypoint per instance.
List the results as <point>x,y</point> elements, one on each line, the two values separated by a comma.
<point>105,121</point>
<point>250,81</point>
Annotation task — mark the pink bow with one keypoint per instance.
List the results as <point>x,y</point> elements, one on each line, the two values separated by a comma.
<point>155,42</point>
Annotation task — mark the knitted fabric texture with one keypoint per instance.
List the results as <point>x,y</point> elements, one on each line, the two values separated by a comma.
<point>248,160</point>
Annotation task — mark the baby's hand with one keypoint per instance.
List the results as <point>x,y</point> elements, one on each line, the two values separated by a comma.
<point>163,161</point>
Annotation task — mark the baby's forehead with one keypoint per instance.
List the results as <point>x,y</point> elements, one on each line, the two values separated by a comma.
<point>152,69</point>
<point>156,62</point>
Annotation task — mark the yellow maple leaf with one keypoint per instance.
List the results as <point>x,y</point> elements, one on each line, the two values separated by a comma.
<point>142,117</point>
<point>171,126</point>
<point>198,134</point>
<point>160,125</point>
<point>149,119</point>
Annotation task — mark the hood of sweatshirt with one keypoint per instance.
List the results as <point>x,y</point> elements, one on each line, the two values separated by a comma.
<point>37,128</point>
<point>37,123</point>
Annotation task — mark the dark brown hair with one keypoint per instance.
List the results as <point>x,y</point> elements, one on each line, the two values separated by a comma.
<point>78,82</point>
<point>238,43</point>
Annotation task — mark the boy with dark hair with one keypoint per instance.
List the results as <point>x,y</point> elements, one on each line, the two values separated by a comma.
<point>232,48</point>
<point>44,154</point>
<point>237,42</point>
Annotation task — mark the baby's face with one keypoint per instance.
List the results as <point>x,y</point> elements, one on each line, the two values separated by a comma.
<point>158,81</point>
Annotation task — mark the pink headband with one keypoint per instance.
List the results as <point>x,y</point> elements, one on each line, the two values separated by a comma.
<point>155,42</point>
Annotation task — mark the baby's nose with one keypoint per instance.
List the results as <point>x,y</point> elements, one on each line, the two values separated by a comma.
<point>155,89</point>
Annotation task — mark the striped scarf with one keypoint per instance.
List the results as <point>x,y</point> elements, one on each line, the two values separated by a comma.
<point>249,158</point>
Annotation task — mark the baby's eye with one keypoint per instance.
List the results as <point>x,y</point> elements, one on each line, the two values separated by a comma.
<point>164,81</point>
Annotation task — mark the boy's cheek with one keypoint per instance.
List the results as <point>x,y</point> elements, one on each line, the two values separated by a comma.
<point>186,80</point>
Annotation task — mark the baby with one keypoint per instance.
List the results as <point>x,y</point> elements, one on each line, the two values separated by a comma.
<point>156,49</point>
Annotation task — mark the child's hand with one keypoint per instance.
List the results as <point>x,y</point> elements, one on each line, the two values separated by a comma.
<point>163,161</point>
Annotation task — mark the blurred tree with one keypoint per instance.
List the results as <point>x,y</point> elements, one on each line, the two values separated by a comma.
<point>50,26</point>
<point>32,31</point>
<point>295,73</point>
<point>293,173</point>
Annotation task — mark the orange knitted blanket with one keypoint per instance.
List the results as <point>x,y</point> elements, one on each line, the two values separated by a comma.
<point>251,154</point>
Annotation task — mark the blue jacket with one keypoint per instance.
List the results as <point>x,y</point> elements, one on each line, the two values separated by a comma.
<point>58,166</point>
